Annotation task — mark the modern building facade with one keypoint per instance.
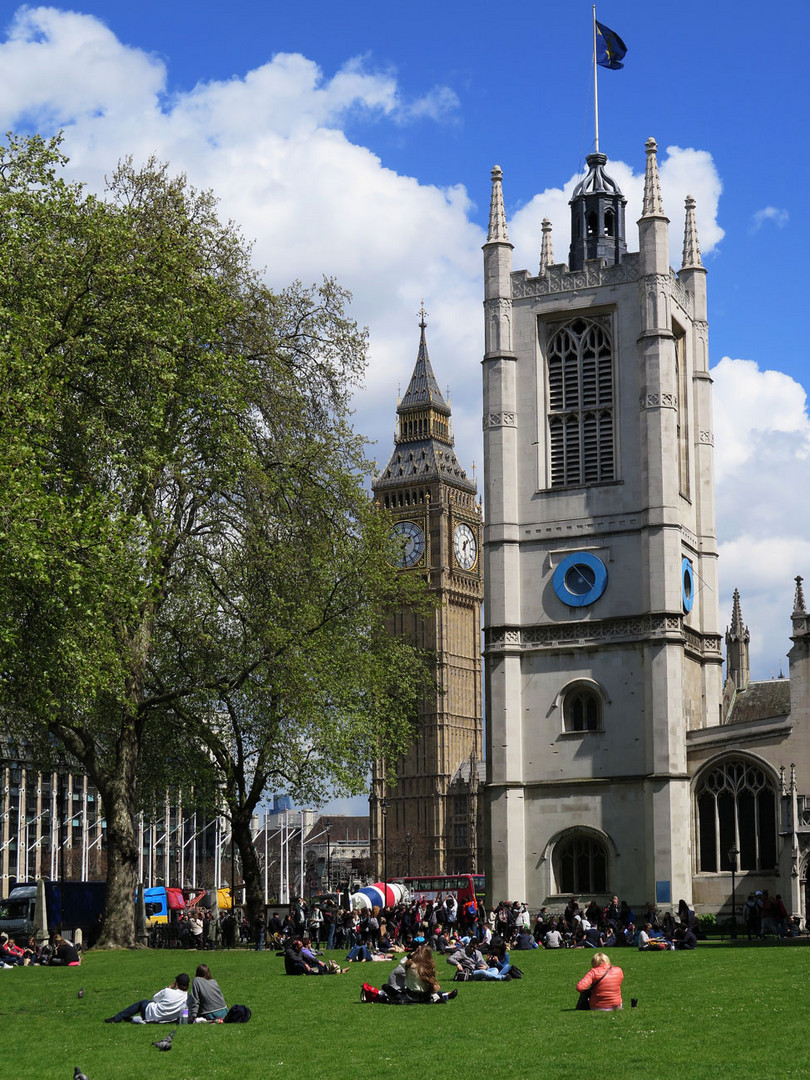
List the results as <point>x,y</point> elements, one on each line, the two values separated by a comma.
<point>429,821</point>
<point>609,733</point>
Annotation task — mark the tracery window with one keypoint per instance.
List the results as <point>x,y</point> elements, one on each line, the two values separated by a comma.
<point>736,808</point>
<point>582,865</point>
<point>582,709</point>
<point>580,398</point>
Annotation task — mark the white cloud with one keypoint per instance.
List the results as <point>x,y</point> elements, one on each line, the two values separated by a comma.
<point>772,214</point>
<point>762,436</point>
<point>57,66</point>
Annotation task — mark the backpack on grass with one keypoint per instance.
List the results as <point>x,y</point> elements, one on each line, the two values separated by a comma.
<point>238,1014</point>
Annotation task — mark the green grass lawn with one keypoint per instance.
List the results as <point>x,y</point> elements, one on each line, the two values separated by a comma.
<point>720,1012</point>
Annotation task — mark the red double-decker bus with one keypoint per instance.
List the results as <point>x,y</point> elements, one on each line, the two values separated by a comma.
<point>463,887</point>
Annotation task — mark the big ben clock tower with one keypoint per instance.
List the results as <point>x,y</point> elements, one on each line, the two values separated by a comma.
<point>427,823</point>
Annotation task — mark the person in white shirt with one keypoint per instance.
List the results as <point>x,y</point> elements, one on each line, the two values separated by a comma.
<point>166,1007</point>
<point>553,940</point>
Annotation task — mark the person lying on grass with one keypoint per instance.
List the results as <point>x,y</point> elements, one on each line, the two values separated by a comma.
<point>166,1007</point>
<point>297,961</point>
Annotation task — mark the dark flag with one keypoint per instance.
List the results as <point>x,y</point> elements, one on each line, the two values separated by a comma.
<point>610,49</point>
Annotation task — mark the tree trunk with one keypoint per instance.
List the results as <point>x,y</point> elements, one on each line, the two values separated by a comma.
<point>118,930</point>
<point>254,886</point>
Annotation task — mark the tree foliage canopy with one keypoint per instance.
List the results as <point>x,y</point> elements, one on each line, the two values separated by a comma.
<point>188,554</point>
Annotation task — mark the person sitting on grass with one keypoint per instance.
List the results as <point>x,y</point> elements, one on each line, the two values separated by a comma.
<point>467,958</point>
<point>605,983</point>
<point>685,938</point>
<point>421,984</point>
<point>648,942</point>
<point>166,1007</point>
<point>11,955</point>
<point>498,964</point>
<point>64,953</point>
<point>205,999</point>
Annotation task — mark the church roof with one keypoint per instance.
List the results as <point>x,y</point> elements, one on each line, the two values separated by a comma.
<point>596,180</point>
<point>761,701</point>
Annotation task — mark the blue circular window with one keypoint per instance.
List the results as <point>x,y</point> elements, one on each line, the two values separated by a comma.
<point>580,579</point>
<point>687,585</point>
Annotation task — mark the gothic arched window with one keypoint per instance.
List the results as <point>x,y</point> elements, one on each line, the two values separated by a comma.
<point>581,865</point>
<point>580,398</point>
<point>736,808</point>
<point>582,709</point>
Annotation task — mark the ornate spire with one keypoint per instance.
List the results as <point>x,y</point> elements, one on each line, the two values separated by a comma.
<point>423,389</point>
<point>546,252</point>
<point>738,665</point>
<point>653,206</point>
<point>691,246</point>
<point>738,630</point>
<point>497,214</point>
<point>798,600</point>
<point>800,621</point>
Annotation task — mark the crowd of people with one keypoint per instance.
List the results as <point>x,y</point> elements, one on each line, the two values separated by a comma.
<point>595,927</point>
<point>55,952</point>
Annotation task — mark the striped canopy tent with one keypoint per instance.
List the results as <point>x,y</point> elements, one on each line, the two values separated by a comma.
<point>379,895</point>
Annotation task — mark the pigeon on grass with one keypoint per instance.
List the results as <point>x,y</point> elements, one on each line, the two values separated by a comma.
<point>165,1044</point>
<point>78,1074</point>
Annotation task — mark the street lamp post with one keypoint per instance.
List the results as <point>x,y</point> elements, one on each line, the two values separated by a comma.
<point>384,808</point>
<point>408,850</point>
<point>328,886</point>
<point>732,858</point>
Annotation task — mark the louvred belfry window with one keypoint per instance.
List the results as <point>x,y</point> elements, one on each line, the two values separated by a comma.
<point>580,404</point>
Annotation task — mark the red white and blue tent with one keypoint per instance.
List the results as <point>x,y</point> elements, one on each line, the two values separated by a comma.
<point>379,895</point>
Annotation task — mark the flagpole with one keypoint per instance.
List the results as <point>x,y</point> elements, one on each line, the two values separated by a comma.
<point>595,92</point>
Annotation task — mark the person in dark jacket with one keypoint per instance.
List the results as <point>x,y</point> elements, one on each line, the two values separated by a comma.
<point>63,954</point>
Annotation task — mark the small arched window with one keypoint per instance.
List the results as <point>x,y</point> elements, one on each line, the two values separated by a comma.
<point>582,708</point>
<point>581,865</point>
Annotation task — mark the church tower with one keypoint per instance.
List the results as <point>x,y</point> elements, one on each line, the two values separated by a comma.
<point>428,822</point>
<point>602,643</point>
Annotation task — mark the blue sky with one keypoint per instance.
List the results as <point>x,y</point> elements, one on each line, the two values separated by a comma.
<point>357,140</point>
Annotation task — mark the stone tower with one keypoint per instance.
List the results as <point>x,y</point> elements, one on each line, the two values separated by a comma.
<point>602,643</point>
<point>425,827</point>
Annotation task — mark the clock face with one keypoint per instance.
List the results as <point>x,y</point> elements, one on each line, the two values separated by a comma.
<point>465,547</point>
<point>579,579</point>
<point>411,540</point>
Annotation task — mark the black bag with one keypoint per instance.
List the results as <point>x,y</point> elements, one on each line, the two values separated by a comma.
<point>462,976</point>
<point>515,972</point>
<point>238,1014</point>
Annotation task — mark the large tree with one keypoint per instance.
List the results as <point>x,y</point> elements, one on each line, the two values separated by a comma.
<point>187,551</point>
